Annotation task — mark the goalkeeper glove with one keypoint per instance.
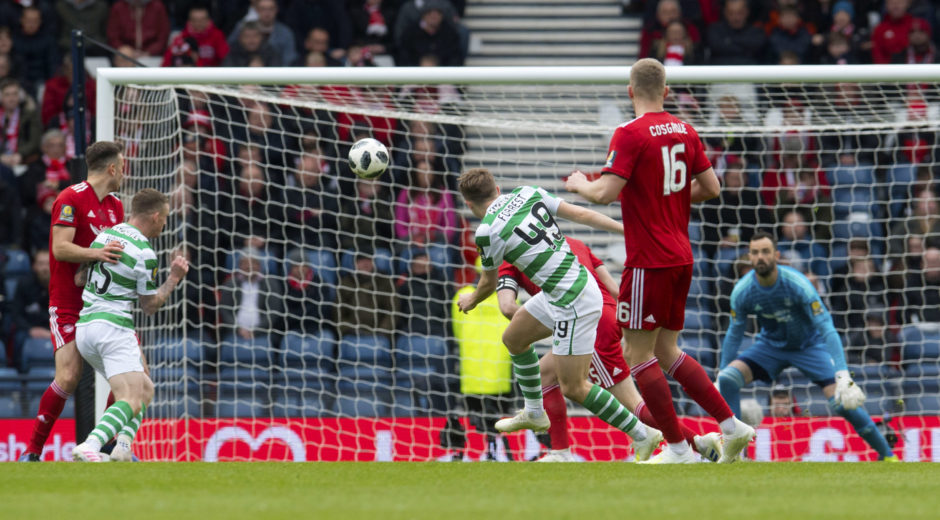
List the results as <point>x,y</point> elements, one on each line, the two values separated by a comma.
<point>848,394</point>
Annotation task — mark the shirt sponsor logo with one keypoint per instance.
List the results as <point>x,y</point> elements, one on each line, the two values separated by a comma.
<point>610,159</point>
<point>112,217</point>
<point>67,214</point>
<point>817,308</point>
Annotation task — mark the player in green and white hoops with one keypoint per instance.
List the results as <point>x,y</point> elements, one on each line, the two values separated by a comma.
<point>520,228</point>
<point>105,331</point>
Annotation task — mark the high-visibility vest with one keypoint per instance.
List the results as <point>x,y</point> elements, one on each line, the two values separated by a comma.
<point>485,366</point>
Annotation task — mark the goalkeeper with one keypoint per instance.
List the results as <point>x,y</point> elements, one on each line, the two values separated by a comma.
<point>795,329</point>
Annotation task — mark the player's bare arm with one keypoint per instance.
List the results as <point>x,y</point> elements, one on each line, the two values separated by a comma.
<point>507,302</point>
<point>589,217</point>
<point>608,280</point>
<point>485,288</point>
<point>705,186</point>
<point>604,190</point>
<point>178,270</point>
<point>65,250</point>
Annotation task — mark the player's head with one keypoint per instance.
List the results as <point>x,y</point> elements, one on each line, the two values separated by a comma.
<point>763,253</point>
<point>149,210</point>
<point>648,82</point>
<point>478,187</point>
<point>106,158</point>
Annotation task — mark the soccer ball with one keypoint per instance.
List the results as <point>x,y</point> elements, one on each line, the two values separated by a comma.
<point>368,158</point>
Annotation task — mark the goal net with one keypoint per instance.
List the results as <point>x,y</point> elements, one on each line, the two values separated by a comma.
<point>317,321</point>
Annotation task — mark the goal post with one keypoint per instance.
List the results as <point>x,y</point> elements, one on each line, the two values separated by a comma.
<point>837,161</point>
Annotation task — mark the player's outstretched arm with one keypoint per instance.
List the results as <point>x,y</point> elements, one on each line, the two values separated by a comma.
<point>589,217</point>
<point>151,302</point>
<point>485,288</point>
<point>705,186</point>
<point>604,190</point>
<point>608,280</point>
<point>65,250</point>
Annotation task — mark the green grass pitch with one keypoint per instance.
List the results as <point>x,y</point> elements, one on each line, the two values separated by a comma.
<point>469,490</point>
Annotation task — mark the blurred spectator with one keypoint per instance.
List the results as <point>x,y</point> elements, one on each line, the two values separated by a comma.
<point>366,300</point>
<point>308,302</point>
<point>676,47</point>
<point>20,126</point>
<point>89,16</point>
<point>365,221</point>
<point>6,49</point>
<point>890,36</point>
<point>359,55</point>
<point>734,106</point>
<point>795,183</point>
<point>919,49</point>
<point>249,45</point>
<point>667,12</point>
<point>872,344</point>
<point>6,66</point>
<point>425,216</point>
<point>423,298</point>
<point>199,308</point>
<point>311,208</point>
<point>274,34</point>
<point>303,15</point>
<point>838,51</point>
<point>225,13</point>
<point>923,221</point>
<point>857,38</point>
<point>54,170</point>
<point>798,247</point>
<point>39,219</point>
<point>253,209</point>
<point>790,35</point>
<point>732,41</point>
<point>782,402</point>
<point>58,89</point>
<point>201,34</point>
<point>372,23</point>
<point>124,52</point>
<point>862,288</point>
<point>36,46</point>
<point>318,40</point>
<point>29,308</point>
<point>142,24</point>
<point>10,210</point>
<point>729,220</point>
<point>921,302</point>
<point>248,303</point>
<point>433,34</point>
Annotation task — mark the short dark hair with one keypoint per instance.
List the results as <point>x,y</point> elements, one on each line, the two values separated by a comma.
<point>148,201</point>
<point>100,154</point>
<point>762,235</point>
<point>477,185</point>
<point>9,82</point>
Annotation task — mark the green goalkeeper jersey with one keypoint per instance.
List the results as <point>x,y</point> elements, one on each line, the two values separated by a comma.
<point>520,228</point>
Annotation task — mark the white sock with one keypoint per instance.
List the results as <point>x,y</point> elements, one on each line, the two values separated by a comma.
<point>93,443</point>
<point>679,448</point>
<point>124,442</point>
<point>534,407</point>
<point>638,433</point>
<point>727,426</point>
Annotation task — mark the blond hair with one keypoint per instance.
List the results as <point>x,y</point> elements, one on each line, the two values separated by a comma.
<point>477,185</point>
<point>648,79</point>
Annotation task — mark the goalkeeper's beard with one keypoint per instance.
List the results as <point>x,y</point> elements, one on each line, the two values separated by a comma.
<point>765,269</point>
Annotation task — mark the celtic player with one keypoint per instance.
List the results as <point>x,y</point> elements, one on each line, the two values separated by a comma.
<point>105,331</point>
<point>520,228</point>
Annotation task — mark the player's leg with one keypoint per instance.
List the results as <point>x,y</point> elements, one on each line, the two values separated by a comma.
<point>68,370</point>
<point>731,380</point>
<point>129,389</point>
<point>758,362</point>
<point>816,364</point>
<point>525,328</point>
<point>557,410</point>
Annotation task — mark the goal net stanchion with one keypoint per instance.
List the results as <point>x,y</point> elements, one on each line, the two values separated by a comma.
<point>341,365</point>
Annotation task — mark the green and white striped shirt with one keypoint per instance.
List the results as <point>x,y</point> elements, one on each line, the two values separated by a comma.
<point>519,227</point>
<point>112,289</point>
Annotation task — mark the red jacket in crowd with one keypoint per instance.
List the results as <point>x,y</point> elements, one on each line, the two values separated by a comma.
<point>53,98</point>
<point>213,46</point>
<point>890,38</point>
<point>146,29</point>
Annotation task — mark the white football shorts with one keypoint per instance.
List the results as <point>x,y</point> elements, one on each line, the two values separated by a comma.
<point>574,327</point>
<point>110,350</point>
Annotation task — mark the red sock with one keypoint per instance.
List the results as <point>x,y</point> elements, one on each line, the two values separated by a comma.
<point>110,400</point>
<point>554,403</point>
<point>50,406</point>
<point>690,374</point>
<point>643,413</point>
<point>655,391</point>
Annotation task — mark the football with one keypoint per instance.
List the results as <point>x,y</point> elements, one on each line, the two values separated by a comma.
<point>368,158</point>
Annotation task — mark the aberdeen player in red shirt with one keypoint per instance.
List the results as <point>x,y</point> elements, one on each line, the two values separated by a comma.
<point>608,368</point>
<point>80,212</point>
<point>656,167</point>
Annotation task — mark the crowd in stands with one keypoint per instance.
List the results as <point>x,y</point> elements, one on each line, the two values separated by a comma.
<point>285,240</point>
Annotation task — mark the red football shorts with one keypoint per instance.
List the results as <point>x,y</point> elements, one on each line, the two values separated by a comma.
<point>607,365</point>
<point>653,298</point>
<point>62,325</point>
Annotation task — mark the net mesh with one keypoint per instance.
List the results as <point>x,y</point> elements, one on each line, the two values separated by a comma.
<point>318,308</point>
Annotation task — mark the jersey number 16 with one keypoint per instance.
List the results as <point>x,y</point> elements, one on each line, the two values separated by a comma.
<point>673,169</point>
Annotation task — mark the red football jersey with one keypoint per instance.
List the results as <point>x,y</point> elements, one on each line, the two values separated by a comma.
<point>658,155</point>
<point>78,207</point>
<point>584,255</point>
